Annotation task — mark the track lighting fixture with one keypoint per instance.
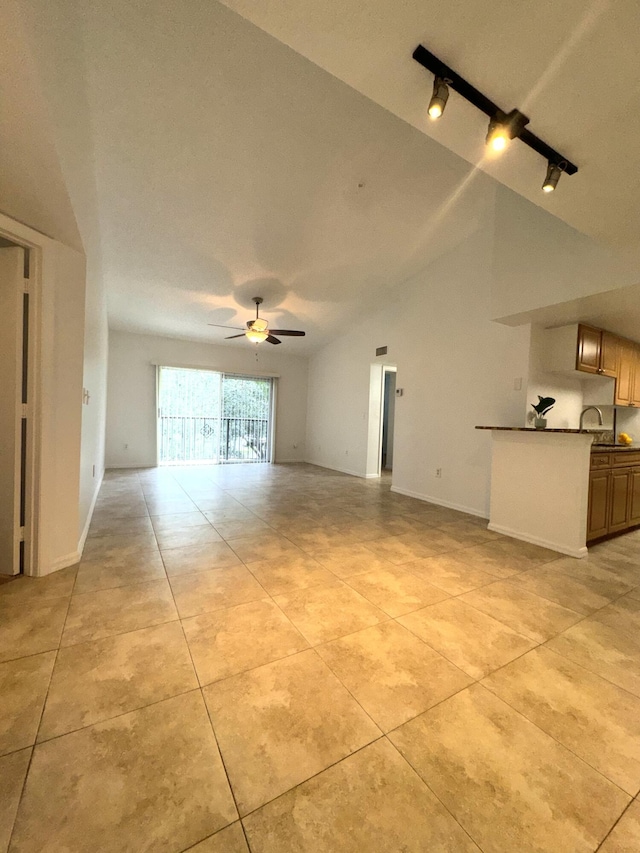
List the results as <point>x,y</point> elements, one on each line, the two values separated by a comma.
<point>554,170</point>
<point>503,126</point>
<point>439,98</point>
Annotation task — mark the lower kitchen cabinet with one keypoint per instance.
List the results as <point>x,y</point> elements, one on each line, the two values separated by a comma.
<point>598,520</point>
<point>614,495</point>
<point>619,500</point>
<point>634,497</point>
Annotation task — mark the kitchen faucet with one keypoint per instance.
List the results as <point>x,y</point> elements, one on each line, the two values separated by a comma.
<point>584,412</point>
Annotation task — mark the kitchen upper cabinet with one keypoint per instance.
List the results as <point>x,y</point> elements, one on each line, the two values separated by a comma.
<point>635,382</point>
<point>589,347</point>
<point>609,354</point>
<point>597,351</point>
<point>628,356</point>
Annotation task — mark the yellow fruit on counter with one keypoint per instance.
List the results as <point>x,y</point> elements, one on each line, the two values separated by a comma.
<point>623,438</point>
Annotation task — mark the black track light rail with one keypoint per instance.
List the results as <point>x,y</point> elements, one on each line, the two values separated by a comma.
<point>438,68</point>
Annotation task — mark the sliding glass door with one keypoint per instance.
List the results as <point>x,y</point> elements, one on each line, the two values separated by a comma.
<point>209,417</point>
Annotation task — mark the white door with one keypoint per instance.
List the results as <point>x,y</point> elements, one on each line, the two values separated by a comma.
<point>11,335</point>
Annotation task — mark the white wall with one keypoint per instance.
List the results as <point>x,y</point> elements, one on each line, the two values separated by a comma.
<point>540,260</point>
<point>52,188</point>
<point>457,370</point>
<point>62,348</point>
<point>55,35</point>
<point>131,401</point>
<point>566,390</point>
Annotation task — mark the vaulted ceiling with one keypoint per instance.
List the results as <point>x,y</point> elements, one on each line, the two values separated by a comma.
<point>570,66</point>
<point>282,149</point>
<point>232,167</point>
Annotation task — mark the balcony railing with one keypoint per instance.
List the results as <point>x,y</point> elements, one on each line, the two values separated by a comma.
<point>214,440</point>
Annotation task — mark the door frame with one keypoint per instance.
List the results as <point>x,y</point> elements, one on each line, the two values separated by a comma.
<point>27,239</point>
<point>377,372</point>
<point>386,368</point>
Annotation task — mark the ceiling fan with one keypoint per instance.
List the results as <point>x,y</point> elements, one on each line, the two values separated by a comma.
<point>258,330</point>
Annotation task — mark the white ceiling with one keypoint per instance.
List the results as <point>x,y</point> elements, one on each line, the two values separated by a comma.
<point>571,66</point>
<point>292,159</point>
<point>229,167</point>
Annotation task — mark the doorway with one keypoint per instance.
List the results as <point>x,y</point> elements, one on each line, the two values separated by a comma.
<point>209,417</point>
<point>388,419</point>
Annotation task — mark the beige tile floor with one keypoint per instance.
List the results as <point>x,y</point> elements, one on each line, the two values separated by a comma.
<point>282,659</point>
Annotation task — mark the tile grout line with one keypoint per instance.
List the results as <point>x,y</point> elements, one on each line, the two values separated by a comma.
<point>269,596</point>
<point>616,822</point>
<point>35,742</point>
<point>429,788</point>
<point>206,708</point>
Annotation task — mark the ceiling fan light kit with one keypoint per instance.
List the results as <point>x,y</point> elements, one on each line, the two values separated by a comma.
<point>503,126</point>
<point>258,331</point>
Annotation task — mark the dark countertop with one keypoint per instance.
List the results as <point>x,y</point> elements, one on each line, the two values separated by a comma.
<point>532,429</point>
<point>595,448</point>
<point>603,448</point>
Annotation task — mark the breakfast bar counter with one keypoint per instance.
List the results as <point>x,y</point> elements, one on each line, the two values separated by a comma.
<point>540,486</point>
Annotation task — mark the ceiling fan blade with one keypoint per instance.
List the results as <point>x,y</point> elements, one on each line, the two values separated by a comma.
<point>218,326</point>
<point>273,340</point>
<point>231,337</point>
<point>290,332</point>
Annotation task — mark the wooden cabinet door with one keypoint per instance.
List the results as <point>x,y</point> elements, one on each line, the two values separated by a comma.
<point>609,350</point>
<point>589,343</point>
<point>634,496</point>
<point>598,517</point>
<point>626,370</point>
<point>635,378</point>
<point>619,500</point>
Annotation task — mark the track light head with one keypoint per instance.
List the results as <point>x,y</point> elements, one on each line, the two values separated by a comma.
<point>504,127</point>
<point>554,170</point>
<point>497,135</point>
<point>439,98</point>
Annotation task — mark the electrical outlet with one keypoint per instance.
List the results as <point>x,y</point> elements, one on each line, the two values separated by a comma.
<point>126,447</point>
<point>346,453</point>
<point>438,473</point>
<point>517,384</point>
<point>295,446</point>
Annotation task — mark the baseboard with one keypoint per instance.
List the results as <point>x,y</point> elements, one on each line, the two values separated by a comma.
<point>289,462</point>
<point>64,562</point>
<point>340,470</point>
<point>580,553</point>
<point>126,467</point>
<point>438,501</point>
<point>87,524</point>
